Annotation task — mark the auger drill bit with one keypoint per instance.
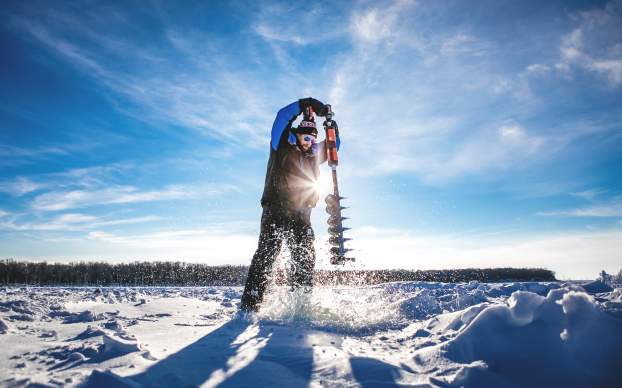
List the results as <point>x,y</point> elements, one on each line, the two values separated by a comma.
<point>333,201</point>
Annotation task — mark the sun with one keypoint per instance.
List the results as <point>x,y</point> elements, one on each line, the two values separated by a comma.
<point>324,185</point>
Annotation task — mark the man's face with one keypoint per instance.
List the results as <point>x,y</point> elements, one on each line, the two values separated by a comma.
<point>305,140</point>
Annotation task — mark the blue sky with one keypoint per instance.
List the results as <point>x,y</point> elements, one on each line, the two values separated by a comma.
<point>473,133</point>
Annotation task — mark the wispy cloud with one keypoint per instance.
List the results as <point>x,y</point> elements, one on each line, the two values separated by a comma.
<point>611,209</point>
<point>389,58</point>
<point>589,194</point>
<point>13,156</point>
<point>409,74</point>
<point>20,186</point>
<point>594,44</point>
<point>62,200</point>
<point>538,68</point>
<point>70,222</point>
<point>82,177</point>
<point>372,25</point>
<point>463,44</point>
<point>274,23</point>
<point>203,245</point>
<point>190,92</point>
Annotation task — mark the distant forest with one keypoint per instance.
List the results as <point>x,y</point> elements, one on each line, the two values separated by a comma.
<point>168,273</point>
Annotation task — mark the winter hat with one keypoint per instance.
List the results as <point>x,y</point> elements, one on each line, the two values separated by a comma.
<point>307,126</point>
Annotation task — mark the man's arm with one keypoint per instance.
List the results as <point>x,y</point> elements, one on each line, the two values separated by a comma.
<point>288,114</point>
<point>283,121</point>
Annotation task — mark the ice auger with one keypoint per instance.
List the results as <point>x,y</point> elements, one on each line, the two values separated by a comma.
<point>333,201</point>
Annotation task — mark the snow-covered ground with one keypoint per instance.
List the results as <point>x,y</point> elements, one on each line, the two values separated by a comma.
<point>413,333</point>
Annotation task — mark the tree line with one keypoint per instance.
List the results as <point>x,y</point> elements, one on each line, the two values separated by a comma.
<point>485,275</point>
<point>168,273</point>
<point>127,274</point>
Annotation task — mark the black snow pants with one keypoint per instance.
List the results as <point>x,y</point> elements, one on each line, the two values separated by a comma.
<point>278,225</point>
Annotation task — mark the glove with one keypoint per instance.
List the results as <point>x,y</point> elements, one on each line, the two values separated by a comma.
<point>318,106</point>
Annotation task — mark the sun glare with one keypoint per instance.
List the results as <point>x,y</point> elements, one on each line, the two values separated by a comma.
<point>324,185</point>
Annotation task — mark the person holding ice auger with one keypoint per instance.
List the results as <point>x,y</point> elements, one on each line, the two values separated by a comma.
<point>288,197</point>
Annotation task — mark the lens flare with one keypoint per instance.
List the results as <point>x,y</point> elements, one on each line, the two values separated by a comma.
<point>323,185</point>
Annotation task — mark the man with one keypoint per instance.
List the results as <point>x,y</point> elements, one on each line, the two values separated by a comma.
<point>288,197</point>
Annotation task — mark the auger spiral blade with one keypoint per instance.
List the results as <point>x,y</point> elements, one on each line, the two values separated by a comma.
<point>336,241</point>
<point>335,221</point>
<point>337,251</point>
<point>332,199</point>
<point>340,260</point>
<point>337,231</point>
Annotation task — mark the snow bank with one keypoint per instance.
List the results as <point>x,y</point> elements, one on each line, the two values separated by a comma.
<point>84,316</point>
<point>563,339</point>
<point>596,287</point>
<point>115,346</point>
<point>89,332</point>
<point>106,379</point>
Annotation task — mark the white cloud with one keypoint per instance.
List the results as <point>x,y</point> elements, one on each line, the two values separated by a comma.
<point>379,24</point>
<point>425,109</point>
<point>371,25</point>
<point>394,77</point>
<point>12,155</point>
<point>12,151</point>
<point>537,68</point>
<point>485,153</point>
<point>612,209</point>
<point>72,218</point>
<point>62,46</point>
<point>612,68</point>
<point>20,186</point>
<point>482,152</point>
<point>512,133</point>
<point>589,194</point>
<point>594,44</point>
<point>192,91</point>
<point>69,222</point>
<point>203,245</point>
<point>268,33</point>
<point>461,43</point>
<point>298,24</point>
<point>571,255</point>
<point>124,221</point>
<point>62,200</point>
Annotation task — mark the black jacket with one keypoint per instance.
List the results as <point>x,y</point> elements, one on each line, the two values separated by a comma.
<point>291,174</point>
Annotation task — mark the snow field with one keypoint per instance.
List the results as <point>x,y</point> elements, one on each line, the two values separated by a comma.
<point>414,333</point>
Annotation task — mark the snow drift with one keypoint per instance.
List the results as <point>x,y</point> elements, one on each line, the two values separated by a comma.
<point>563,339</point>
